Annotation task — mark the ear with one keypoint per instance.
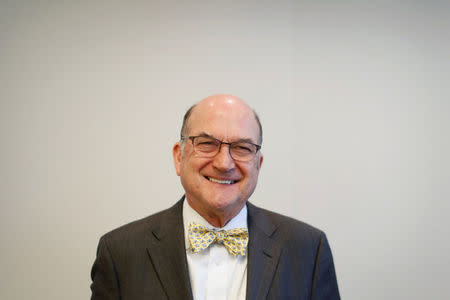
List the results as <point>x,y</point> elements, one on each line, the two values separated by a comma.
<point>261,158</point>
<point>176,152</point>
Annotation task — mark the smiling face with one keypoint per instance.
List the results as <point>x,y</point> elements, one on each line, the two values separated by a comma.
<point>218,187</point>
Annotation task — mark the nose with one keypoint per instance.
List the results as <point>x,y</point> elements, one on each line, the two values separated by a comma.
<point>223,160</point>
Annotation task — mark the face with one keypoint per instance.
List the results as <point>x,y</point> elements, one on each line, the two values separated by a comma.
<point>218,185</point>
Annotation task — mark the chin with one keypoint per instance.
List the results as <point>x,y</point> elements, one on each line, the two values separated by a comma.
<point>225,204</point>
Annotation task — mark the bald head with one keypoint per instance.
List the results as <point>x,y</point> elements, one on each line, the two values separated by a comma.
<point>223,103</point>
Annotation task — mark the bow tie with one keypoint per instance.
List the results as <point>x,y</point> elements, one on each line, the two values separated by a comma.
<point>234,240</point>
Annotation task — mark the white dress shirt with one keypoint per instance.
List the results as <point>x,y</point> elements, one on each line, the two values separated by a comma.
<point>214,272</point>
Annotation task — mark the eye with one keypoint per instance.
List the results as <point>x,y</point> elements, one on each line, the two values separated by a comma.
<point>243,148</point>
<point>206,144</point>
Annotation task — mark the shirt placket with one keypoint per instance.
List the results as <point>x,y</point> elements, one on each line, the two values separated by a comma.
<point>217,286</point>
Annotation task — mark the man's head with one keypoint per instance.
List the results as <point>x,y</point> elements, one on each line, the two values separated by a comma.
<point>218,187</point>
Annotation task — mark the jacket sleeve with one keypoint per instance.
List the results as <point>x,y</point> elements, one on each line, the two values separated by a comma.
<point>324,284</point>
<point>105,283</point>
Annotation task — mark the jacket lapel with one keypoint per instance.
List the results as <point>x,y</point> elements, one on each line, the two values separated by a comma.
<point>263,254</point>
<point>166,250</point>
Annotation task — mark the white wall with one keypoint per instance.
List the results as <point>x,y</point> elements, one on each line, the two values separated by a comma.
<point>353,96</point>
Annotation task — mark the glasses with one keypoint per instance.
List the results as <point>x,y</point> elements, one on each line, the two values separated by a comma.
<point>207,146</point>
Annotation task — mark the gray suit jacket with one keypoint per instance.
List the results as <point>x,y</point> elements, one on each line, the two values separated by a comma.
<point>146,259</point>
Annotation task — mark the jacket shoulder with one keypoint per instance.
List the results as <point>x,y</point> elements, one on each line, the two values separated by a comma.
<point>284,226</point>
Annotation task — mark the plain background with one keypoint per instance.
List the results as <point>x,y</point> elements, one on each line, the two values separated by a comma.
<point>353,97</point>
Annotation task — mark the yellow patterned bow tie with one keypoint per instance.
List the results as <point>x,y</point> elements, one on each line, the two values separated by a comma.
<point>235,240</point>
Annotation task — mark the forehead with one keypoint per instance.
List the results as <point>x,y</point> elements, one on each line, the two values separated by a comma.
<point>225,122</point>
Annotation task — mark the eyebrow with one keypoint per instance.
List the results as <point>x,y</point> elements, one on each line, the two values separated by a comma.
<point>241,140</point>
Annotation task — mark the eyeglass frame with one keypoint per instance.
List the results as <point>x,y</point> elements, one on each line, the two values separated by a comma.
<point>193,137</point>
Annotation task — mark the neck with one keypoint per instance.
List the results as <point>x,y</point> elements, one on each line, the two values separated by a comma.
<point>217,218</point>
<point>218,222</point>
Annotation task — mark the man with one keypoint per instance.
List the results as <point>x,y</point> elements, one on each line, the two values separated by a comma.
<point>213,244</point>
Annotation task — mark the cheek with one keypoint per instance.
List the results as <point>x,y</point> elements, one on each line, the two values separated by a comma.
<point>251,174</point>
<point>191,169</point>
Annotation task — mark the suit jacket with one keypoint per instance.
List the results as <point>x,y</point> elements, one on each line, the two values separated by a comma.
<point>146,259</point>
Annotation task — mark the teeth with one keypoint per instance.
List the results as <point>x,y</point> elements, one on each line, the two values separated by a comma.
<point>220,181</point>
